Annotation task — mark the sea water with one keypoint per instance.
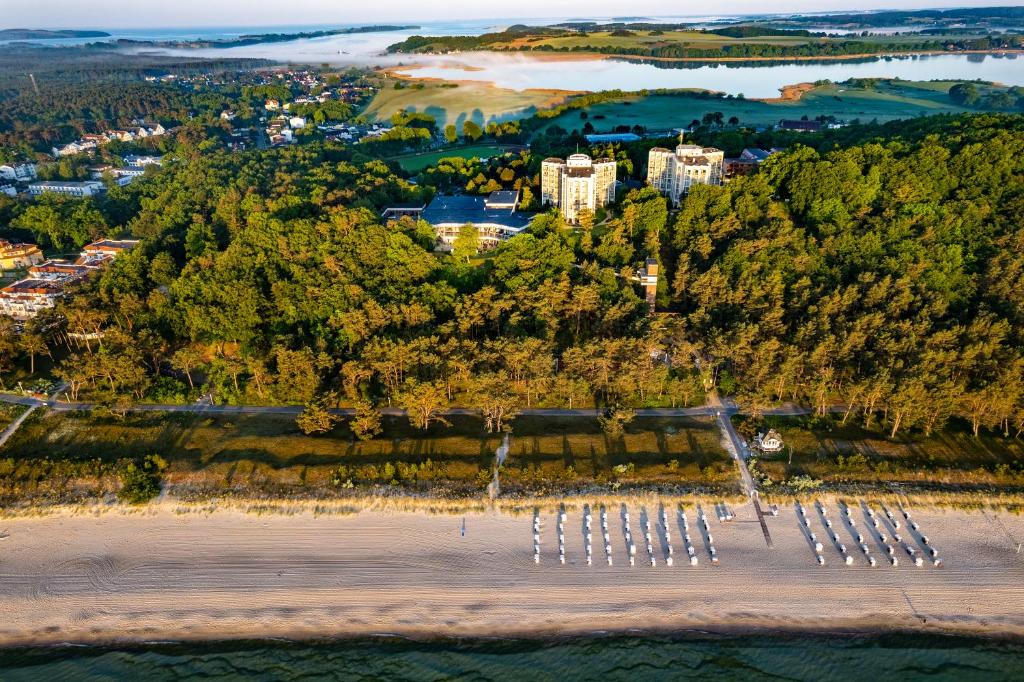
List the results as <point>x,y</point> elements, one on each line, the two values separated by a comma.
<point>699,657</point>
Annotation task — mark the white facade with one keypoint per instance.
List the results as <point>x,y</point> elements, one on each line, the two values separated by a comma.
<point>577,183</point>
<point>9,190</point>
<point>673,173</point>
<point>297,122</point>
<point>67,188</point>
<point>25,172</point>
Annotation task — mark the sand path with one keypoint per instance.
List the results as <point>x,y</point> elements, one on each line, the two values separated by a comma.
<point>164,576</point>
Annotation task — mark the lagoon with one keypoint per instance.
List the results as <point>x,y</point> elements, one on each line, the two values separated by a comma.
<point>752,79</point>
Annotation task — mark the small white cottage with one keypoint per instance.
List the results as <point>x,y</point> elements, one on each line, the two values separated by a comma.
<point>769,442</point>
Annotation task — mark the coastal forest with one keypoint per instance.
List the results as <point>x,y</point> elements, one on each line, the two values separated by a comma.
<point>883,274</point>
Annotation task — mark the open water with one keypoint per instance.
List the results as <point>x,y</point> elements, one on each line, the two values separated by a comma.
<point>691,657</point>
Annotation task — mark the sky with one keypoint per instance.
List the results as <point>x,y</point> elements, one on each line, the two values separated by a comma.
<point>203,13</point>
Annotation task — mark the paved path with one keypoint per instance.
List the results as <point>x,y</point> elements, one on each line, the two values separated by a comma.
<point>33,405</point>
<point>723,414</point>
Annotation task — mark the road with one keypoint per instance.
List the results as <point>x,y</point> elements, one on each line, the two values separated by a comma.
<point>709,410</point>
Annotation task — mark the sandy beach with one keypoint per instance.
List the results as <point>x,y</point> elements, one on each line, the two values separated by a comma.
<point>158,575</point>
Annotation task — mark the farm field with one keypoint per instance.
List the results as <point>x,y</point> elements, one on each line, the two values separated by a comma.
<point>478,102</point>
<point>887,101</point>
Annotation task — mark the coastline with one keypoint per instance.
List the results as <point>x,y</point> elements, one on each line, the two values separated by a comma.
<point>226,575</point>
<point>592,56</point>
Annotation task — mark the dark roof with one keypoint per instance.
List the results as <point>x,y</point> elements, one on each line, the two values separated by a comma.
<point>468,209</point>
<point>799,125</point>
<point>755,154</point>
<point>503,198</point>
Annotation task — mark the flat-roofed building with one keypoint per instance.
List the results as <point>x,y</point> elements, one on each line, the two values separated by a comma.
<point>503,200</point>
<point>673,173</point>
<point>142,160</point>
<point>19,172</point>
<point>577,184</point>
<point>449,214</point>
<point>109,247</point>
<point>58,270</point>
<point>28,297</point>
<point>15,256</point>
<point>398,211</point>
<point>67,188</point>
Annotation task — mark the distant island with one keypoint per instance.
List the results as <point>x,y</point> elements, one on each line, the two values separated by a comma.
<point>43,34</point>
<point>781,37</point>
<point>260,38</point>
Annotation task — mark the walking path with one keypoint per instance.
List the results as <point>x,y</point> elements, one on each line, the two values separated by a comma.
<point>736,447</point>
<point>13,427</point>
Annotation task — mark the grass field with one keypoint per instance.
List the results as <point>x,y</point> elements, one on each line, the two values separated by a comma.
<point>645,39</point>
<point>478,102</point>
<point>414,163</point>
<point>953,459</point>
<point>889,100</point>
<point>58,455</point>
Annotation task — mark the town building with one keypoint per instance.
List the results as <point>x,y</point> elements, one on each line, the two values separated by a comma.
<point>577,183</point>
<point>297,122</point>
<point>23,172</point>
<point>649,281</point>
<point>28,297</point>
<point>9,190</point>
<point>673,173</point>
<point>48,281</point>
<point>14,256</point>
<point>747,162</point>
<point>407,210</point>
<point>142,160</point>
<point>68,188</point>
<point>799,126</point>
<point>495,222</point>
<point>611,138</point>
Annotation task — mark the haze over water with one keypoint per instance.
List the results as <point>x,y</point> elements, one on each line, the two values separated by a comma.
<point>524,71</point>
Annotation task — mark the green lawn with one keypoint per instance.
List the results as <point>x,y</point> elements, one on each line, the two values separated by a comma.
<point>644,39</point>
<point>889,100</point>
<point>248,455</point>
<point>414,163</point>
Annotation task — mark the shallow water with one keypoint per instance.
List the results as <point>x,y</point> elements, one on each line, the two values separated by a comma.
<point>752,79</point>
<point>846,657</point>
<point>524,71</point>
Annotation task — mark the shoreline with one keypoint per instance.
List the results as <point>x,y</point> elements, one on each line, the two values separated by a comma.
<point>225,576</point>
<point>543,55</point>
<point>810,628</point>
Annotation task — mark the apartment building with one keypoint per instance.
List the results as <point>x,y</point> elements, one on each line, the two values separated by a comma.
<point>68,188</point>
<point>673,173</point>
<point>577,183</point>
<point>24,172</point>
<point>17,256</point>
<point>47,282</point>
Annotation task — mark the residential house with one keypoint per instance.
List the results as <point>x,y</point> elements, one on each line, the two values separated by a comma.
<point>14,256</point>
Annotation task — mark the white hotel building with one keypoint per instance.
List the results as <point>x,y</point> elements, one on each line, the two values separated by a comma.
<point>577,183</point>
<point>673,173</point>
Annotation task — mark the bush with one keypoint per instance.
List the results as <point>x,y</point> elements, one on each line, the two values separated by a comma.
<point>140,480</point>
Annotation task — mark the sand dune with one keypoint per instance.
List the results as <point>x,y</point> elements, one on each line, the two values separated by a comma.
<point>163,576</point>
